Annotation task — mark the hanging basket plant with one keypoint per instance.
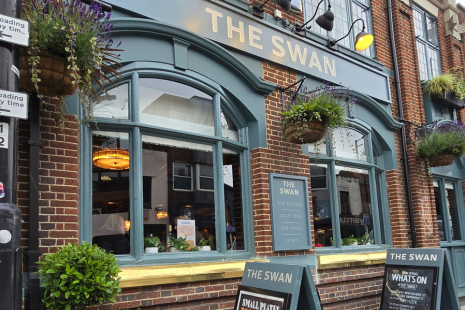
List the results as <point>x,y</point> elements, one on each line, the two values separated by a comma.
<point>308,117</point>
<point>440,143</point>
<point>70,48</point>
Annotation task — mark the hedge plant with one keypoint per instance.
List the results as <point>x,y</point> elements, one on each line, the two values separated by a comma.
<point>77,276</point>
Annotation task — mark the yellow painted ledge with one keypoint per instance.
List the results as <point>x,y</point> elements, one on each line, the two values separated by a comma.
<point>351,260</point>
<point>182,273</point>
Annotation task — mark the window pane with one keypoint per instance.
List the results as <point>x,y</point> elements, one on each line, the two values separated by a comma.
<point>163,204</point>
<point>433,56</point>
<point>321,205</point>
<point>431,28</point>
<point>114,105</point>
<point>349,143</point>
<point>310,7</point>
<point>354,197</point>
<point>422,61</point>
<point>453,215</point>
<point>206,170</point>
<point>110,191</point>
<point>380,210</point>
<point>228,129</point>
<point>177,106</point>
<point>233,200</point>
<point>318,148</point>
<point>341,22</point>
<point>207,184</point>
<point>439,212</point>
<point>418,23</point>
<point>358,12</point>
<point>182,183</point>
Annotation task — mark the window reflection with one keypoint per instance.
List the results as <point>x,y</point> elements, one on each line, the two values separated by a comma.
<point>321,204</point>
<point>349,143</point>
<point>189,202</point>
<point>114,105</point>
<point>110,195</point>
<point>228,129</point>
<point>177,106</point>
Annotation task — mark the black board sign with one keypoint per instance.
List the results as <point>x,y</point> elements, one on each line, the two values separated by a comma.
<point>419,279</point>
<point>252,298</point>
<point>410,288</point>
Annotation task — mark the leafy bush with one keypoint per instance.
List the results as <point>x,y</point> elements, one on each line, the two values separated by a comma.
<point>78,276</point>
<point>349,240</point>
<point>449,82</point>
<point>180,244</point>
<point>442,138</point>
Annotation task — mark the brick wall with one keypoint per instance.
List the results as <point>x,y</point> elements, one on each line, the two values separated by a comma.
<point>58,180</point>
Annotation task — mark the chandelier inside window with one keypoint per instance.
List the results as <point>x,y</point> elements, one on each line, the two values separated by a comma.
<point>113,159</point>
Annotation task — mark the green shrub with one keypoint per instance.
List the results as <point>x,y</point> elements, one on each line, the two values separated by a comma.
<point>78,276</point>
<point>180,244</point>
<point>443,138</point>
<point>449,82</point>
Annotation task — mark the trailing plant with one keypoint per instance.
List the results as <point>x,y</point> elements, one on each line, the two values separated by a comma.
<point>153,242</point>
<point>328,105</point>
<point>451,82</point>
<point>82,34</point>
<point>77,276</point>
<point>180,244</point>
<point>441,138</point>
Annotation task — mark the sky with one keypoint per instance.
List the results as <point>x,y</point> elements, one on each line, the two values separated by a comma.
<point>462,2</point>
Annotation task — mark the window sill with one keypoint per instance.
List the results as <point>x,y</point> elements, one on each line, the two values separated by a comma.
<point>350,260</point>
<point>182,273</point>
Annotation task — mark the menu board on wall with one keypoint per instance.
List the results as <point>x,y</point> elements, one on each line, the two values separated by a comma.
<point>290,212</point>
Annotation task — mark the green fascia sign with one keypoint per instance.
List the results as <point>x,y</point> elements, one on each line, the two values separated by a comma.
<point>242,31</point>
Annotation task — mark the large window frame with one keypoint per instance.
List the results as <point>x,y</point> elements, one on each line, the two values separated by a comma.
<point>427,43</point>
<point>377,181</point>
<point>352,10</point>
<point>222,104</point>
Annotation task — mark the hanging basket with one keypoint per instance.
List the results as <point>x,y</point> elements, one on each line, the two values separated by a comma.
<point>311,132</point>
<point>54,74</point>
<point>441,160</point>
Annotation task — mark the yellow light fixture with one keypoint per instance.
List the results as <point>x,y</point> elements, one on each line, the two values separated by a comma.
<point>127,225</point>
<point>363,41</point>
<point>162,215</point>
<point>113,159</point>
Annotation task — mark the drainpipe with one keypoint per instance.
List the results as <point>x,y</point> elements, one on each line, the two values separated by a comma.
<point>403,135</point>
<point>33,251</point>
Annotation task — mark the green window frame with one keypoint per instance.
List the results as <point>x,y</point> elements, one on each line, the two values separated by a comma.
<point>222,105</point>
<point>346,12</point>
<point>372,163</point>
<point>428,53</point>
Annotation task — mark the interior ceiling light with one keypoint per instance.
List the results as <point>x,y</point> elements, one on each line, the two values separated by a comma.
<point>258,7</point>
<point>363,40</point>
<point>113,159</point>
<point>325,21</point>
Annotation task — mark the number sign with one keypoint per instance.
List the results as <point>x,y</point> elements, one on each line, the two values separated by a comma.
<point>4,135</point>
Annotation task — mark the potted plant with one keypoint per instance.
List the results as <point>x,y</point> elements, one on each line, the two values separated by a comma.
<point>77,276</point>
<point>179,245</point>
<point>447,89</point>
<point>311,114</point>
<point>351,240</point>
<point>70,46</point>
<point>152,245</point>
<point>440,143</point>
<point>205,244</point>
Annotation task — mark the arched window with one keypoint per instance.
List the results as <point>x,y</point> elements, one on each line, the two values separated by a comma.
<point>168,160</point>
<point>347,181</point>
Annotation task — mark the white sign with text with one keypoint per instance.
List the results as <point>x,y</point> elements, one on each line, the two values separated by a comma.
<point>13,104</point>
<point>14,30</point>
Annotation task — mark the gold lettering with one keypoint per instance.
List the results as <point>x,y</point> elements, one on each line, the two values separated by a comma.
<point>239,29</point>
<point>297,52</point>
<point>281,52</point>
<point>314,61</point>
<point>253,36</point>
<point>215,16</point>
<point>328,66</point>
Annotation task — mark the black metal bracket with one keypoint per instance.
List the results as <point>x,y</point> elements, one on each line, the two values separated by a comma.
<point>284,89</point>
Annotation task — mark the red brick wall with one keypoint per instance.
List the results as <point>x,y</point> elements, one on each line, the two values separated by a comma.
<point>58,180</point>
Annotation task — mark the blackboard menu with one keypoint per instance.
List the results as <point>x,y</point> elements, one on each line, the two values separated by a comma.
<point>409,288</point>
<point>290,212</point>
<point>251,298</point>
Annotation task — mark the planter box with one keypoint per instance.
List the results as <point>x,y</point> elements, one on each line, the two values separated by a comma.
<point>451,101</point>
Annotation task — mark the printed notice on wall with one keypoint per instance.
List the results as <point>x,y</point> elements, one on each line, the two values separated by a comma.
<point>186,228</point>
<point>258,299</point>
<point>409,288</point>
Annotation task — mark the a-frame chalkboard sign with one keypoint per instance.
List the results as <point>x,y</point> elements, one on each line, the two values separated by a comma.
<point>417,279</point>
<point>271,286</point>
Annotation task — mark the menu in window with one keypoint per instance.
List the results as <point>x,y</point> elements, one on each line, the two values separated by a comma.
<point>186,228</point>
